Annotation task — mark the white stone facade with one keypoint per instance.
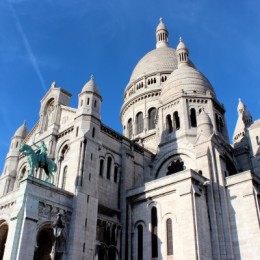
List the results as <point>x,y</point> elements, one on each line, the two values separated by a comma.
<point>171,187</point>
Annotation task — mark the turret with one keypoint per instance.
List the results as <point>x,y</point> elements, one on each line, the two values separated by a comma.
<point>11,162</point>
<point>89,102</point>
<point>205,126</point>
<point>161,35</point>
<point>243,122</point>
<point>182,53</point>
<point>17,139</point>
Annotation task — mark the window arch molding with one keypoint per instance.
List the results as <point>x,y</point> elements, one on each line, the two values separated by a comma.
<point>193,117</point>
<point>129,127</point>
<point>140,222</point>
<point>109,174</point>
<point>101,166</point>
<point>60,146</point>
<point>22,171</point>
<point>47,112</point>
<point>62,157</point>
<point>159,209</point>
<point>139,122</point>
<point>139,237</point>
<point>185,154</point>
<point>116,173</point>
<point>151,117</point>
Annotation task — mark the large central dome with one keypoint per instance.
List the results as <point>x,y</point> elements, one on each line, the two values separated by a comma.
<point>160,59</point>
<point>142,93</point>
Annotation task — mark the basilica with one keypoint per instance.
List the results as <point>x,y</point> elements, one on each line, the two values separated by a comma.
<point>170,187</point>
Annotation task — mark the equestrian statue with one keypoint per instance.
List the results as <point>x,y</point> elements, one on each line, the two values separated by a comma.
<point>39,159</point>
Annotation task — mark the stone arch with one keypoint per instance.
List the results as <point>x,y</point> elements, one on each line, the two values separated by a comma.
<point>139,222</point>
<point>21,173</point>
<point>3,236</point>
<point>48,113</point>
<point>62,157</point>
<point>45,242</point>
<point>184,153</point>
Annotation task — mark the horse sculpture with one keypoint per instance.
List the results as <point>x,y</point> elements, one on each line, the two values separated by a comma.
<point>35,161</point>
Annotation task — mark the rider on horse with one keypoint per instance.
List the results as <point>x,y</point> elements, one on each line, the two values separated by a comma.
<point>43,153</point>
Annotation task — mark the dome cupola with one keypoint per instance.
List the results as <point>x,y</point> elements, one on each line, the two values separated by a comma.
<point>185,79</point>
<point>90,86</point>
<point>21,131</point>
<point>161,35</point>
<point>182,53</point>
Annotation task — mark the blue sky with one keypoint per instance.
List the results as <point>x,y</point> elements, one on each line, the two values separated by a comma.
<point>67,41</point>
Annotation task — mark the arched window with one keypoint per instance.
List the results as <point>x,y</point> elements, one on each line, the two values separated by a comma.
<point>93,132</point>
<point>154,232</point>
<point>49,114</point>
<point>101,165</point>
<point>3,237</point>
<point>45,243</point>
<point>130,127</point>
<point>193,119</point>
<point>216,121</point>
<point>64,177</point>
<point>221,125</point>
<point>175,166</point>
<point>140,242</point>
<point>109,162</point>
<point>151,118</point>
<point>140,123</point>
<point>115,174</point>
<point>23,172</point>
<point>169,123</point>
<point>169,236</point>
<point>176,121</point>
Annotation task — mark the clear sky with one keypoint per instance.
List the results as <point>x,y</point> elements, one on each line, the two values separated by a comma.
<point>66,41</point>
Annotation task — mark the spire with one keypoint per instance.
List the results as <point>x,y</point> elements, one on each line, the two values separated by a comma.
<point>247,118</point>
<point>53,84</point>
<point>161,35</point>
<point>204,124</point>
<point>182,52</point>
<point>243,122</point>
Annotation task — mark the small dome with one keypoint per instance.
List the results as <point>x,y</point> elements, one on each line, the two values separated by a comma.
<point>21,131</point>
<point>181,45</point>
<point>91,86</point>
<point>185,79</point>
<point>161,25</point>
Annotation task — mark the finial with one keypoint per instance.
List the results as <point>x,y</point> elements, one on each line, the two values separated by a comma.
<point>160,20</point>
<point>239,99</point>
<point>92,77</point>
<point>53,84</point>
<point>24,122</point>
<point>180,39</point>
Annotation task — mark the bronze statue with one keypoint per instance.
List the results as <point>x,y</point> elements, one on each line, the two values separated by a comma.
<point>39,160</point>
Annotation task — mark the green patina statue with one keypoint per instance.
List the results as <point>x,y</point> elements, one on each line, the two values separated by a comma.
<point>39,160</point>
